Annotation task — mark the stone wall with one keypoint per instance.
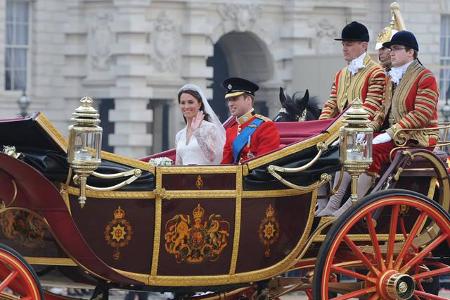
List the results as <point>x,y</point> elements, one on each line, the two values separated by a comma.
<point>137,53</point>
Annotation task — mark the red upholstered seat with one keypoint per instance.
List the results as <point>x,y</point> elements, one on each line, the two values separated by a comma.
<point>290,132</point>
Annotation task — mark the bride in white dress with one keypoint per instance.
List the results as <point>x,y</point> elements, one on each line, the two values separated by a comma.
<point>201,141</point>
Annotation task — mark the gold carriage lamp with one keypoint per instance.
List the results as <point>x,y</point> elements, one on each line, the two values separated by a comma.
<point>85,136</point>
<point>356,143</point>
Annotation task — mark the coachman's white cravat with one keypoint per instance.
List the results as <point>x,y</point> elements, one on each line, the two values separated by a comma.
<point>356,64</point>
<point>396,73</point>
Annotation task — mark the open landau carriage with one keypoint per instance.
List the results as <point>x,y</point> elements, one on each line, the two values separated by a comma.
<point>229,231</point>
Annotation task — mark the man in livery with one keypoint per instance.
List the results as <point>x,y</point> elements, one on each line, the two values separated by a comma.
<point>412,104</point>
<point>362,78</point>
<point>252,135</point>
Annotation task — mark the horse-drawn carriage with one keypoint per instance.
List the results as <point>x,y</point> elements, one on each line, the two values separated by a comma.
<point>229,231</point>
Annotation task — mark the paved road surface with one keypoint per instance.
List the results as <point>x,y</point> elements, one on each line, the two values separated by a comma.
<point>120,295</point>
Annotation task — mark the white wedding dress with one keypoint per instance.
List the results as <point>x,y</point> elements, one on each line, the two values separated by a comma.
<point>204,148</point>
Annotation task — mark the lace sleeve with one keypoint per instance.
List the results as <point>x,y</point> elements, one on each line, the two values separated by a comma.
<point>178,160</point>
<point>210,142</point>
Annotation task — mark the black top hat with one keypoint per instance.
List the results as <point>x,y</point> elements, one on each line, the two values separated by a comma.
<point>404,38</point>
<point>354,32</point>
<point>237,86</point>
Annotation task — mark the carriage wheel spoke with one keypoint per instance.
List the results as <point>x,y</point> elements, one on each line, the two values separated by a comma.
<point>428,296</point>
<point>361,255</point>
<point>375,297</point>
<point>419,285</point>
<point>374,238</point>
<point>392,233</point>
<point>8,280</point>
<point>432,273</point>
<point>409,240</point>
<point>423,253</point>
<point>353,274</point>
<point>357,293</point>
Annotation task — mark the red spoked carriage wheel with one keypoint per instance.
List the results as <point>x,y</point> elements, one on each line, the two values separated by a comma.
<point>382,249</point>
<point>17,278</point>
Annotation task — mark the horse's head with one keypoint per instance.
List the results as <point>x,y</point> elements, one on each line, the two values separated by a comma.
<point>299,107</point>
<point>286,113</point>
<point>301,102</point>
<point>293,108</point>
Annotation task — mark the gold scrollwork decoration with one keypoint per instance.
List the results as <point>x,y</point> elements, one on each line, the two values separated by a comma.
<point>118,232</point>
<point>269,229</point>
<point>199,182</point>
<point>198,240</point>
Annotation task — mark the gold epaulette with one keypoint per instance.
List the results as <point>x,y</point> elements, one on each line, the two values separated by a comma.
<point>264,118</point>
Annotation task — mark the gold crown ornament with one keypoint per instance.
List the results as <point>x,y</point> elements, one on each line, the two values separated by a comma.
<point>396,25</point>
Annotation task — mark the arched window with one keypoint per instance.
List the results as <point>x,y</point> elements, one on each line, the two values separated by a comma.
<point>17,44</point>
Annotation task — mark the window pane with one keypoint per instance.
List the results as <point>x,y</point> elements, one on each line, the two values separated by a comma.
<point>444,25</point>
<point>444,74</point>
<point>8,80</point>
<point>8,58</point>
<point>20,79</point>
<point>20,58</point>
<point>21,34</point>
<point>21,11</point>
<point>9,10</point>
<point>442,46</point>
<point>17,42</point>
<point>9,34</point>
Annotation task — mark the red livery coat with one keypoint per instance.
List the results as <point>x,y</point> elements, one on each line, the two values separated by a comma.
<point>368,84</point>
<point>265,139</point>
<point>413,106</point>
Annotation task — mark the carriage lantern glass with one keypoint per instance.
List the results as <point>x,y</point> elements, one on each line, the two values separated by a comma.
<point>83,153</point>
<point>356,143</point>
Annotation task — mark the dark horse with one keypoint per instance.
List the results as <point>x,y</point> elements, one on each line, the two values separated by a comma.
<point>297,108</point>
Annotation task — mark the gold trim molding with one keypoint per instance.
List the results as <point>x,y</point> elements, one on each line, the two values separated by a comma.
<point>54,261</point>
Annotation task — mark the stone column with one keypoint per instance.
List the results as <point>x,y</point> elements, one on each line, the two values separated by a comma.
<point>46,87</point>
<point>270,94</point>
<point>130,91</point>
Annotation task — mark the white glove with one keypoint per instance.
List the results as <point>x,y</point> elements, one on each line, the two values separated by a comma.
<point>381,138</point>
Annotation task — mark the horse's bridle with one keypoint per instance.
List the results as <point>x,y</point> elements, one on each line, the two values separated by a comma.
<point>299,118</point>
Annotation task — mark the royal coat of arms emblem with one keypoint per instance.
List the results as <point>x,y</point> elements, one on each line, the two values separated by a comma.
<point>196,240</point>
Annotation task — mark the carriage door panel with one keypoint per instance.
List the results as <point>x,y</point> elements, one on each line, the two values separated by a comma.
<point>118,226</point>
<point>196,207</point>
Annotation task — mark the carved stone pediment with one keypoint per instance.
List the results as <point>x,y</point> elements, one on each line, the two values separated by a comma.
<point>166,44</point>
<point>100,38</point>
<point>326,32</point>
<point>244,16</point>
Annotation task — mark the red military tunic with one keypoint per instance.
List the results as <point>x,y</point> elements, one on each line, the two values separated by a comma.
<point>413,106</point>
<point>368,84</point>
<point>265,139</point>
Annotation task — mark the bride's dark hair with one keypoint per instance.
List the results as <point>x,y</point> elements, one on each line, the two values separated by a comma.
<point>197,96</point>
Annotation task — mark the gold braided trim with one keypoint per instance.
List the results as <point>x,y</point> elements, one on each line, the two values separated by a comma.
<point>399,110</point>
<point>350,87</point>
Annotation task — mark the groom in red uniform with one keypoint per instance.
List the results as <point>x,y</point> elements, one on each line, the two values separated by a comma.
<point>252,135</point>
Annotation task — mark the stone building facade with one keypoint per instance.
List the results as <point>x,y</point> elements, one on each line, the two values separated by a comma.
<point>133,55</point>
